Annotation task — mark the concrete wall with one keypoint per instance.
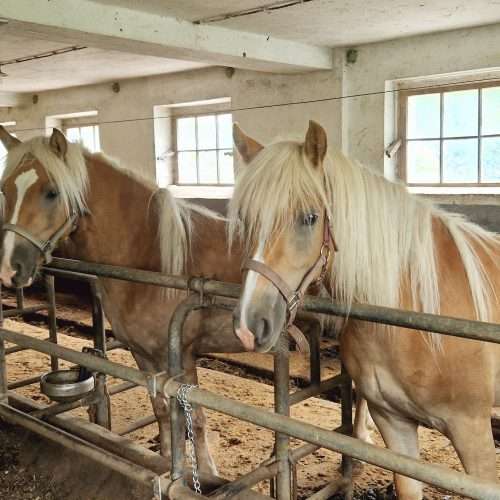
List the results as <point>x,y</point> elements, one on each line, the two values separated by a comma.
<point>361,125</point>
<point>127,128</point>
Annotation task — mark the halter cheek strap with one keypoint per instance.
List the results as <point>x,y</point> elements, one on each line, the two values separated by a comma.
<point>44,247</point>
<point>317,272</point>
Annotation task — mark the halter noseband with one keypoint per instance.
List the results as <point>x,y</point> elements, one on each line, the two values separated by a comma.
<point>293,298</point>
<point>44,247</point>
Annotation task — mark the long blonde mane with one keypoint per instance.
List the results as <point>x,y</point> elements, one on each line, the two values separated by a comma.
<point>385,234</point>
<point>71,178</point>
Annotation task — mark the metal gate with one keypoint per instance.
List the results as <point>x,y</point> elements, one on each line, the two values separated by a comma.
<point>139,463</point>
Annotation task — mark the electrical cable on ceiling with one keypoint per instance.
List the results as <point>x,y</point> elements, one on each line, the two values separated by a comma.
<point>42,55</point>
<point>248,12</point>
<point>289,103</point>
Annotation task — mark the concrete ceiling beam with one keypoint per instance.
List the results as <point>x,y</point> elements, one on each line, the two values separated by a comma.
<point>84,22</point>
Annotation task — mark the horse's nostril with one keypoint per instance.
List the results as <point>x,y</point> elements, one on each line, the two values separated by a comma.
<point>263,331</point>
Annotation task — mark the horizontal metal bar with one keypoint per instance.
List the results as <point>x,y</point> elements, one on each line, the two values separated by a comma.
<point>117,388</point>
<point>265,471</point>
<point>71,274</point>
<point>67,440</point>
<point>456,482</point>
<point>477,330</point>
<point>115,344</point>
<point>58,408</point>
<point>330,489</point>
<point>138,424</point>
<point>117,445</point>
<point>8,313</point>
<point>95,363</point>
<point>316,389</point>
<point>24,382</point>
<point>12,350</point>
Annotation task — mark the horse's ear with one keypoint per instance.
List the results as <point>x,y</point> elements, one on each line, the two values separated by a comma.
<point>316,143</point>
<point>246,146</point>
<point>9,141</point>
<point>58,143</point>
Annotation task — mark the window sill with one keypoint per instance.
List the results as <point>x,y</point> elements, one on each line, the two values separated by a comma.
<point>450,190</point>
<point>213,192</point>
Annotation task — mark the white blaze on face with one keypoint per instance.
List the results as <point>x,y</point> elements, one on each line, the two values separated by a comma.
<point>244,334</point>
<point>23,182</point>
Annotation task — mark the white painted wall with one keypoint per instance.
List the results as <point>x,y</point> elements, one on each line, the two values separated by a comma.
<point>356,124</point>
<point>126,124</point>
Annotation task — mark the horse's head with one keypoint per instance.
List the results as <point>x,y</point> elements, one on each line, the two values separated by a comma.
<point>39,210</point>
<point>280,209</point>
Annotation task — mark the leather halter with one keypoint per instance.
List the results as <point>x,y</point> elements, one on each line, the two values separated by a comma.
<point>44,247</point>
<point>293,298</point>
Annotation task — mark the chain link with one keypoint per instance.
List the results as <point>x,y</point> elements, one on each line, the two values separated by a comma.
<point>182,394</point>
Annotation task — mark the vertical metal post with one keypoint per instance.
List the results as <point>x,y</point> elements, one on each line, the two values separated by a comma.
<point>314,354</point>
<point>346,412</point>
<point>282,406</point>
<point>20,298</point>
<point>51,316</point>
<point>101,411</point>
<point>177,422</point>
<point>3,362</point>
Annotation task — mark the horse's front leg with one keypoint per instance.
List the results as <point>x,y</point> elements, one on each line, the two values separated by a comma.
<point>160,407</point>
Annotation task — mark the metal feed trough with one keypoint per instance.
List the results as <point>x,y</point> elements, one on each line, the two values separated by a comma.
<point>99,443</point>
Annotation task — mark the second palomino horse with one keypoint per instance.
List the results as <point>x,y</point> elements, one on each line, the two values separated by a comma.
<point>395,250</point>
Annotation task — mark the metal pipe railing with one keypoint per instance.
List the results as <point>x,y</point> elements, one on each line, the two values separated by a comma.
<point>476,330</point>
<point>456,482</point>
<point>72,442</point>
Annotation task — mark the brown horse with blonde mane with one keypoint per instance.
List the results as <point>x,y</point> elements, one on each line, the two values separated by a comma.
<point>395,250</point>
<point>97,211</point>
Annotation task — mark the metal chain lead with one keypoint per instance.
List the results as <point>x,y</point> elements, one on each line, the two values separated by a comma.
<point>182,394</point>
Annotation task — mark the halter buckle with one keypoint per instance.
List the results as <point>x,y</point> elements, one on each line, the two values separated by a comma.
<point>294,301</point>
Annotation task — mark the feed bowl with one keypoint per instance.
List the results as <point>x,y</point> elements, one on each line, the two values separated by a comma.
<point>65,386</point>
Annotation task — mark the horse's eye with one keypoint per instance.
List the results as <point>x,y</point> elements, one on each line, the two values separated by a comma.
<point>309,219</point>
<point>51,194</point>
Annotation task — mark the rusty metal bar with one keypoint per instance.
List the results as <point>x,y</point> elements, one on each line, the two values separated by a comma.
<point>456,482</point>
<point>58,408</point>
<point>138,424</point>
<point>177,424</point>
<point>314,390</point>
<point>26,381</point>
<point>115,344</point>
<point>92,362</point>
<point>9,313</point>
<point>20,298</point>
<point>117,388</point>
<point>117,445</point>
<point>477,330</point>
<point>330,489</point>
<point>346,419</point>
<point>101,410</point>
<point>4,386</point>
<point>13,350</point>
<point>282,407</point>
<point>51,317</point>
<point>74,443</point>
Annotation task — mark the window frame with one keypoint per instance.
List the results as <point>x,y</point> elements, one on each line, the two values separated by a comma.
<point>176,151</point>
<point>402,133</point>
<point>80,123</point>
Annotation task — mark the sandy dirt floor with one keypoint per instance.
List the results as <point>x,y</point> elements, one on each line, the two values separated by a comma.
<point>238,446</point>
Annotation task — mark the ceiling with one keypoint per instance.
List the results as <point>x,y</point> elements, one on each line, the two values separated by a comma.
<point>333,23</point>
<point>81,67</point>
<point>327,23</point>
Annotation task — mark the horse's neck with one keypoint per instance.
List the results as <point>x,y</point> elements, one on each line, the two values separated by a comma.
<point>121,227</point>
<point>209,255</point>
